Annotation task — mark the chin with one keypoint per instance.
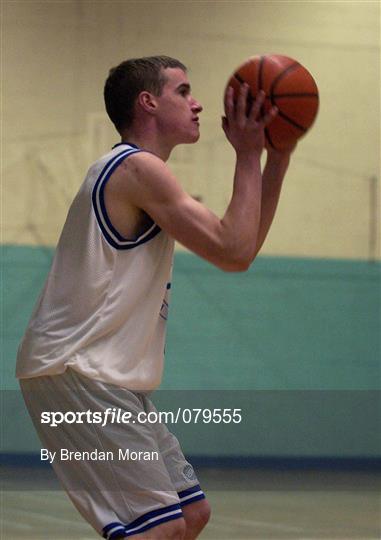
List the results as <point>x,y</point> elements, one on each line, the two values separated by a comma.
<point>194,138</point>
<point>188,138</point>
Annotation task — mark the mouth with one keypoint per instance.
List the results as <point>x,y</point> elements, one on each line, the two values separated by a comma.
<point>196,120</point>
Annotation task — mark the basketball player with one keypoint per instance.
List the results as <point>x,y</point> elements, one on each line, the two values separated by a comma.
<point>96,338</point>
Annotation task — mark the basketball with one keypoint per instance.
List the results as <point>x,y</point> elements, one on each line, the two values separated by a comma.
<point>287,85</point>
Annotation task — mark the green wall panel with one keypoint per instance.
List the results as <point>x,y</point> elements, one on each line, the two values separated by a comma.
<point>294,343</point>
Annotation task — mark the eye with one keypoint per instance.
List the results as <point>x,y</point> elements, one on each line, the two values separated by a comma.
<point>184,90</point>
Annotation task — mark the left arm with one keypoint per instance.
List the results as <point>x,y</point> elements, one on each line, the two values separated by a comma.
<point>272,178</point>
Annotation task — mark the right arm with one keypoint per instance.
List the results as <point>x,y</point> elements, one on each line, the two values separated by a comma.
<point>230,242</point>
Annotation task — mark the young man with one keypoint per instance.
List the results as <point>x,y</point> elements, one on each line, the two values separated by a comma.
<point>95,342</point>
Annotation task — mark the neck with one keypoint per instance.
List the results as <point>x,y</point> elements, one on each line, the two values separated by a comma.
<point>148,141</point>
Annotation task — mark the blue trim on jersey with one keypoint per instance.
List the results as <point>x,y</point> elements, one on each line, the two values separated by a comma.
<point>124,143</point>
<point>194,499</point>
<point>117,534</point>
<point>157,522</point>
<point>189,491</point>
<point>113,530</point>
<point>113,237</point>
<point>191,495</point>
<point>111,526</point>
<point>142,523</point>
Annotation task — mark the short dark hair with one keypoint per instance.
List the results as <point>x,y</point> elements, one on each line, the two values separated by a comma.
<point>128,79</point>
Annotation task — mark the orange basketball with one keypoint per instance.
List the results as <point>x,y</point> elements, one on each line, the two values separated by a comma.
<point>289,86</point>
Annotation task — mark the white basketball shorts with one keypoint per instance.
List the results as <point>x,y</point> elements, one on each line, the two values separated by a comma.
<point>123,477</point>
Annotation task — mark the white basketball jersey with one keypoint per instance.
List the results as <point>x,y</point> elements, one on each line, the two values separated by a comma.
<point>104,305</point>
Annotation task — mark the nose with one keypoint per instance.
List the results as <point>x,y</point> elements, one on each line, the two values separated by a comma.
<point>196,106</point>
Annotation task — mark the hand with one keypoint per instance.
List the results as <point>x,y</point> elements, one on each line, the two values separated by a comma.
<point>246,133</point>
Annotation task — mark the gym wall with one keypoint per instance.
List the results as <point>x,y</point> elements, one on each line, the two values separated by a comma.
<point>306,318</point>
<point>57,55</point>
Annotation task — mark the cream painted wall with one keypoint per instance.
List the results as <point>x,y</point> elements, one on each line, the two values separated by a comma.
<point>55,59</point>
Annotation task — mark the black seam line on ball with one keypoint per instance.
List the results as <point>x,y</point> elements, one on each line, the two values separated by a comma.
<point>282,75</point>
<point>239,78</point>
<point>291,121</point>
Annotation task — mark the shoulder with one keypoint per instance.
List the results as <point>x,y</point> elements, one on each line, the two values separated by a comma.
<point>133,169</point>
<point>144,171</point>
<point>141,163</point>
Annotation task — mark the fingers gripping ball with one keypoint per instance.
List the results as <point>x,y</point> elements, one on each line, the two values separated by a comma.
<point>289,86</point>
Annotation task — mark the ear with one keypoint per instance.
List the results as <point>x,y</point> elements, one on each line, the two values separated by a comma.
<point>147,101</point>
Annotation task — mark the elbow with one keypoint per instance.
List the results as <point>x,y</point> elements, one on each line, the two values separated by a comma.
<point>234,257</point>
<point>242,260</point>
<point>238,264</point>
<point>241,266</point>
<point>238,268</point>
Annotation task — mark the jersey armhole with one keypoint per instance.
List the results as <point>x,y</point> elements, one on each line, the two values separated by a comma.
<point>113,237</point>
